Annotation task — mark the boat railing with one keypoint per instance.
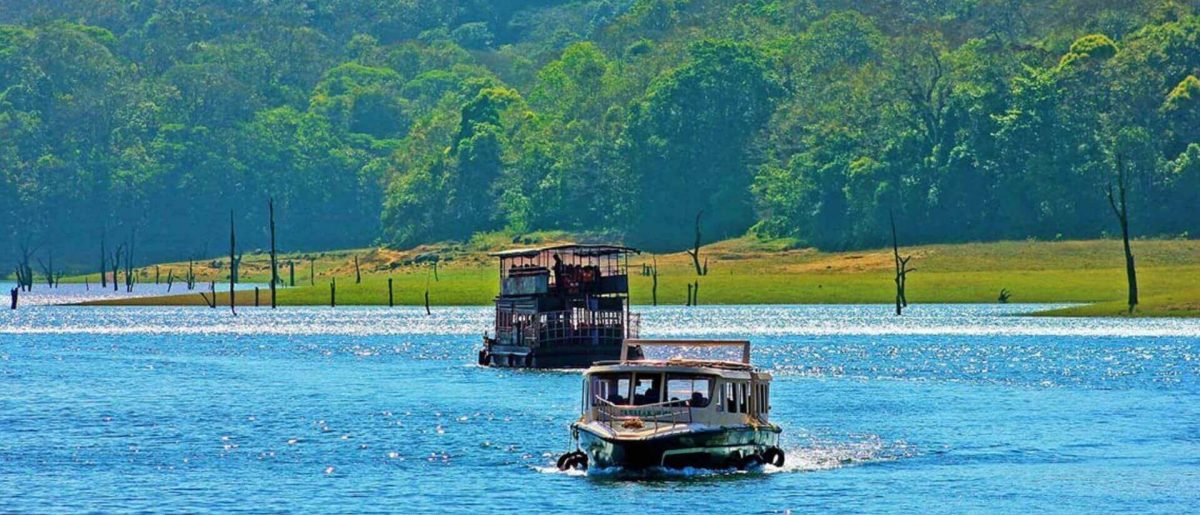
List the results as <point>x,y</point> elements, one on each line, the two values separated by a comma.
<point>556,326</point>
<point>660,415</point>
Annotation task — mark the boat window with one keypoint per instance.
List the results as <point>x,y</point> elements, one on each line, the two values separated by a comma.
<point>741,397</point>
<point>692,391</point>
<point>613,388</point>
<point>730,398</point>
<point>647,389</point>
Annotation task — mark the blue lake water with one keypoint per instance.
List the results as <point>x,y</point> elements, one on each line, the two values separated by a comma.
<point>948,409</point>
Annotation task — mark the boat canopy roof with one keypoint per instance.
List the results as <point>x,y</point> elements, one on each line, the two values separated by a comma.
<point>670,365</point>
<point>578,249</point>
<point>743,344</point>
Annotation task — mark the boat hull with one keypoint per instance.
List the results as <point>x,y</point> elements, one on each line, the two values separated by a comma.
<point>725,447</point>
<point>581,353</point>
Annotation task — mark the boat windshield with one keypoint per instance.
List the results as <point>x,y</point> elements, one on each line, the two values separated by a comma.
<point>613,388</point>
<point>641,389</point>
<point>692,390</point>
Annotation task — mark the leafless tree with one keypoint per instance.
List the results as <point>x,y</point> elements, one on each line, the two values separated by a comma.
<point>902,269</point>
<point>1121,209</point>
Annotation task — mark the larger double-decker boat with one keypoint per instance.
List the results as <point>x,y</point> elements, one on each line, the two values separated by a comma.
<point>675,413</point>
<point>565,306</point>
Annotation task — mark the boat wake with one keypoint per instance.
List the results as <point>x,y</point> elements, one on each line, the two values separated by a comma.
<point>816,455</point>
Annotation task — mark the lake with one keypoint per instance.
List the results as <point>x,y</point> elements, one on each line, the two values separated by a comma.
<point>948,409</point>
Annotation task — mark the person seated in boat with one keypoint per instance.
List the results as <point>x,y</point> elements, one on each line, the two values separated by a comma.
<point>698,400</point>
<point>650,396</point>
<point>615,398</point>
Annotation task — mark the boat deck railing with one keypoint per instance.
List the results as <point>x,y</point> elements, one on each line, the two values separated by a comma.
<point>656,416</point>
<point>556,327</point>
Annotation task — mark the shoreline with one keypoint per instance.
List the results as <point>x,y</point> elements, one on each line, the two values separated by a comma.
<point>743,271</point>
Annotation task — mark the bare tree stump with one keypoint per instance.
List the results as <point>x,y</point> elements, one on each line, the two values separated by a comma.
<point>654,284</point>
<point>695,250</point>
<point>391,298</point>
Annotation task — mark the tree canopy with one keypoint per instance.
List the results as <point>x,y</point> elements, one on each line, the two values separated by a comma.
<point>401,122</point>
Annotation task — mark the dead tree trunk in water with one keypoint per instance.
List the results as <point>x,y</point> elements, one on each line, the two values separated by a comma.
<point>232,265</point>
<point>1121,209</point>
<point>312,272</point>
<point>689,298</point>
<point>292,273</point>
<point>391,298</point>
<point>654,284</point>
<point>24,271</point>
<point>902,270</point>
<point>48,268</point>
<point>212,303</point>
<point>129,278</point>
<point>427,311</point>
<point>103,264</point>
<point>695,251</point>
<point>274,256</point>
<point>115,262</point>
<point>696,294</point>
<point>357,272</point>
<point>333,292</point>
<point>170,279</point>
<point>191,275</point>
<point>14,293</point>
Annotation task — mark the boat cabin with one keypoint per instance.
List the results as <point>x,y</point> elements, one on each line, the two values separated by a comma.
<point>659,393</point>
<point>561,306</point>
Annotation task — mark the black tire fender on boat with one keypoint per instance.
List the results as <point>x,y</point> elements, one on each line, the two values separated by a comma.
<point>774,456</point>
<point>483,357</point>
<point>573,460</point>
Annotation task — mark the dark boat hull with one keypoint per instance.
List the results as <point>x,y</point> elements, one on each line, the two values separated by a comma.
<point>564,354</point>
<point>710,448</point>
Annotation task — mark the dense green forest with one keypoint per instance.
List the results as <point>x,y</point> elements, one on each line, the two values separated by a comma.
<point>410,121</point>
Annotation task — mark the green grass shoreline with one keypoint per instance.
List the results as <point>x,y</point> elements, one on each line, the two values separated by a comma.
<point>747,271</point>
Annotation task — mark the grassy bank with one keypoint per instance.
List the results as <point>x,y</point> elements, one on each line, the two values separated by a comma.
<point>747,271</point>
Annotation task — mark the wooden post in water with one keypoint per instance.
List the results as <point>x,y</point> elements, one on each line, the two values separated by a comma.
<point>357,272</point>
<point>156,274</point>
<point>274,255</point>
<point>696,294</point>
<point>333,292</point>
<point>292,273</point>
<point>391,302</point>
<point>312,272</point>
<point>256,296</point>
<point>15,292</point>
<point>232,266</point>
<point>170,279</point>
<point>689,299</point>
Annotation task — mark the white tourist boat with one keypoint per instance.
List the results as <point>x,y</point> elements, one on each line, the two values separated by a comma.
<point>675,413</point>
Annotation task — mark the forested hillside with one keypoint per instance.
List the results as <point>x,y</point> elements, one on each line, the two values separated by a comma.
<point>410,121</point>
